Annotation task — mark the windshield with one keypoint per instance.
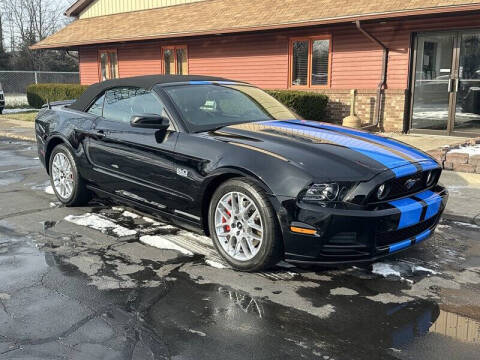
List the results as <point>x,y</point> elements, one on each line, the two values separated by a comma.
<point>210,106</point>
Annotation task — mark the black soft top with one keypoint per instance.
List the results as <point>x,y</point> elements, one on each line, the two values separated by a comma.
<point>145,82</point>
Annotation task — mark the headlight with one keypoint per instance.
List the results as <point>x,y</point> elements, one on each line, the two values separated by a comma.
<point>431,176</point>
<point>326,192</point>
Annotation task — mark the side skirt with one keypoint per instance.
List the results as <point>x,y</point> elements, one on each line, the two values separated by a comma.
<point>164,216</point>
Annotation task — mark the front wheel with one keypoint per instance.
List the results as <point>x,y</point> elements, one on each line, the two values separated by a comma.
<point>65,179</point>
<point>243,226</point>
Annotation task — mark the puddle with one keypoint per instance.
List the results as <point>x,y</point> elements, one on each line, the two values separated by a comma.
<point>457,327</point>
<point>202,314</point>
<point>10,178</point>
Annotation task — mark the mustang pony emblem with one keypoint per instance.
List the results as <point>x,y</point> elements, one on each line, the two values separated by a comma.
<point>410,183</point>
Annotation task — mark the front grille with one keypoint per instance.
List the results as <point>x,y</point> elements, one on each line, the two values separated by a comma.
<point>398,188</point>
<point>392,237</point>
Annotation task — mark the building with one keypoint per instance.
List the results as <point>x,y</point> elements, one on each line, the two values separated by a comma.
<point>415,64</point>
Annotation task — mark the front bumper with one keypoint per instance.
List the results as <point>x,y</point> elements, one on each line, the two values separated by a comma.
<point>346,236</point>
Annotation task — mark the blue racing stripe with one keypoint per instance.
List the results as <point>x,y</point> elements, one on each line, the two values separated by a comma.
<point>399,246</point>
<point>425,162</point>
<point>206,82</point>
<point>200,82</point>
<point>399,166</point>
<point>422,236</point>
<point>433,201</point>
<point>410,211</point>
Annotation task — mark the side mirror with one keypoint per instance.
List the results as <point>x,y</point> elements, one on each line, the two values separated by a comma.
<point>150,121</point>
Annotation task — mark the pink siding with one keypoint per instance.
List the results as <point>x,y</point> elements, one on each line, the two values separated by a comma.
<point>88,68</point>
<point>262,58</point>
<point>139,60</point>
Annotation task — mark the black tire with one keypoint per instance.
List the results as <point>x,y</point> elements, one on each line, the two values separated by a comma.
<point>271,248</point>
<point>80,194</point>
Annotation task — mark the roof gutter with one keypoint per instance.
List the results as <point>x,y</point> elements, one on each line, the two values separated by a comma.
<point>383,79</point>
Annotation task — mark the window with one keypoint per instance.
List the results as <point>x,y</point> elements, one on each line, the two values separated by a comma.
<point>310,62</point>
<point>108,64</point>
<point>175,60</point>
<point>124,102</point>
<point>97,107</point>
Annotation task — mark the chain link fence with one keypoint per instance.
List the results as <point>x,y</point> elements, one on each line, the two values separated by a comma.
<point>14,83</point>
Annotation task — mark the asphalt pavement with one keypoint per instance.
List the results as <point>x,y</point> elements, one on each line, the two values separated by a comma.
<point>84,283</point>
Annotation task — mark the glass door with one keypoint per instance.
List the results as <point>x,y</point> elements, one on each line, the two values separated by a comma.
<point>446,83</point>
<point>467,84</point>
<point>432,81</point>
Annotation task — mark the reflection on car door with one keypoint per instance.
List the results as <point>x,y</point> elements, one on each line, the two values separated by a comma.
<point>134,163</point>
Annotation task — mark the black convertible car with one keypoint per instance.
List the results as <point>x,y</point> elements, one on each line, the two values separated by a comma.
<point>228,159</point>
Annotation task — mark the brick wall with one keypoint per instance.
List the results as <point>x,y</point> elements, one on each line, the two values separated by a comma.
<point>458,161</point>
<point>392,110</point>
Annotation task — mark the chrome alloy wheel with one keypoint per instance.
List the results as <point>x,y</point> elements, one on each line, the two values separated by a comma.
<point>238,226</point>
<point>62,176</point>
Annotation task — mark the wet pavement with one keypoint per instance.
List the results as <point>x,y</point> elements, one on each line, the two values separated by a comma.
<point>83,283</point>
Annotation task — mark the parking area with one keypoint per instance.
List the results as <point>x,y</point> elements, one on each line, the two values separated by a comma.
<point>107,282</point>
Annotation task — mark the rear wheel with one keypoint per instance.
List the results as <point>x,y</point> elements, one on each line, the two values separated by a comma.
<point>68,185</point>
<point>243,226</point>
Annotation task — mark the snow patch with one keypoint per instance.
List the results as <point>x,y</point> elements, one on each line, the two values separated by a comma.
<point>130,215</point>
<point>49,190</point>
<point>470,150</point>
<point>151,221</point>
<point>400,269</point>
<point>473,226</point>
<point>385,270</point>
<point>162,243</point>
<point>197,332</point>
<point>215,264</point>
<point>18,111</point>
<point>417,268</point>
<point>100,223</point>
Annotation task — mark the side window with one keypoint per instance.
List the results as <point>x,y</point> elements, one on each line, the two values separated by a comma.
<point>123,102</point>
<point>118,104</point>
<point>97,107</point>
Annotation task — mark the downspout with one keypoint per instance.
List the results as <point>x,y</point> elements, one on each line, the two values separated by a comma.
<point>383,82</point>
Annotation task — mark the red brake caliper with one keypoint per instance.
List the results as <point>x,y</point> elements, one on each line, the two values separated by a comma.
<point>226,228</point>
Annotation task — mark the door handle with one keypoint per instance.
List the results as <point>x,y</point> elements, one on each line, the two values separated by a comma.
<point>94,134</point>
<point>454,87</point>
<point>457,83</point>
<point>100,134</point>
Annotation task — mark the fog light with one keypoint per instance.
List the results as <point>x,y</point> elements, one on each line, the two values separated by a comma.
<point>430,178</point>
<point>382,191</point>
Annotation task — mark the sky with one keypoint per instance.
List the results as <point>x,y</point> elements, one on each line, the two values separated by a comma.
<point>64,5</point>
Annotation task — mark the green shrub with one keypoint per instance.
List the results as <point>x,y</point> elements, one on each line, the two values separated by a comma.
<point>309,105</point>
<point>39,94</point>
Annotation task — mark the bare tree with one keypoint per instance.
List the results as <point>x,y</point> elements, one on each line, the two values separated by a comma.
<point>31,21</point>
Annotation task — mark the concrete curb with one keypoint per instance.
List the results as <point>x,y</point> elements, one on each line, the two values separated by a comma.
<point>474,220</point>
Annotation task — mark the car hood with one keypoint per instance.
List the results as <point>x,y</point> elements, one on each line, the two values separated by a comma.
<point>326,150</point>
